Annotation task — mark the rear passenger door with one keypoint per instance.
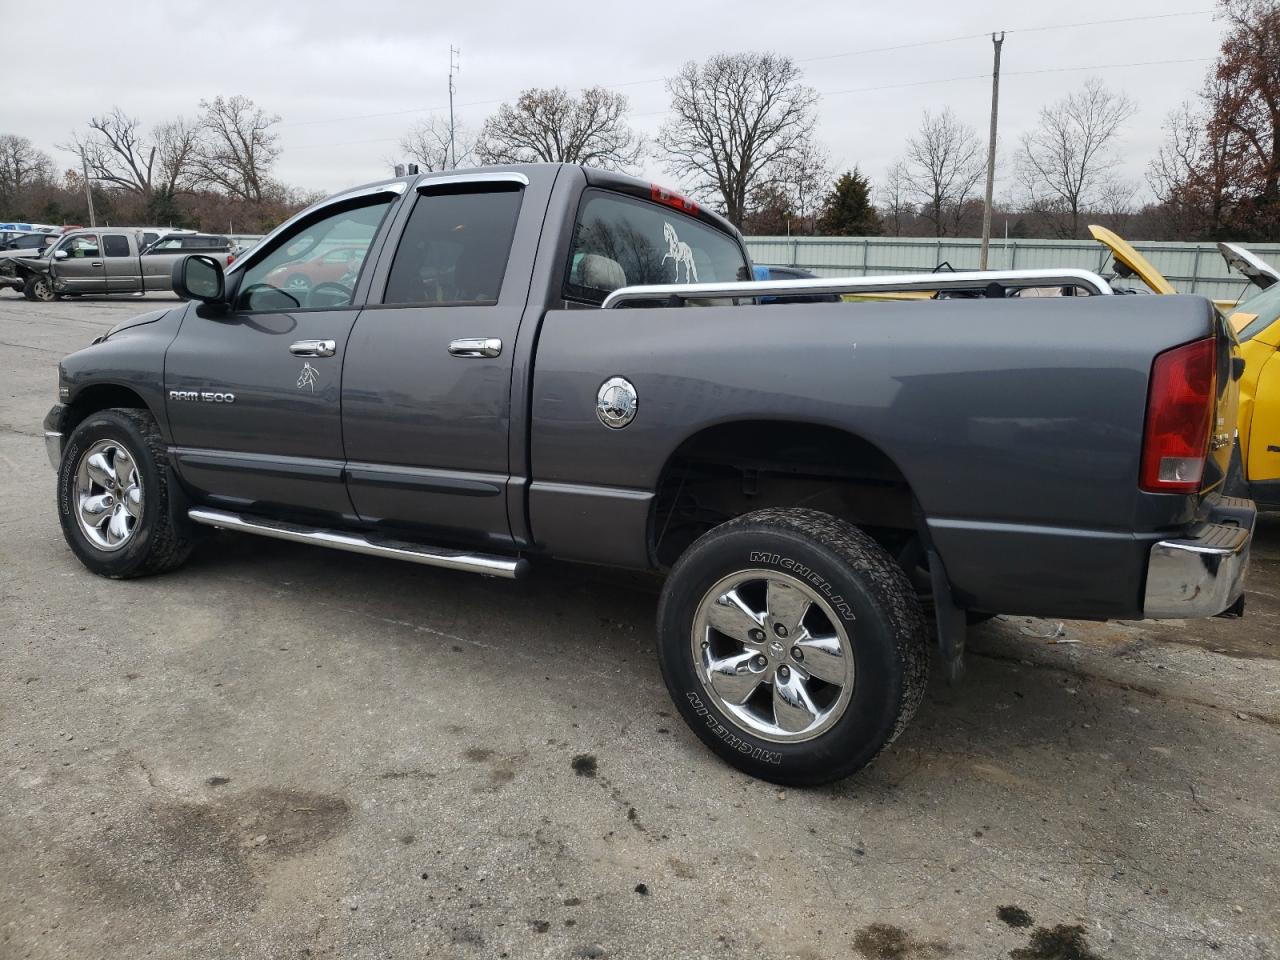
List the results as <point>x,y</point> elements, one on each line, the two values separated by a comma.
<point>426,385</point>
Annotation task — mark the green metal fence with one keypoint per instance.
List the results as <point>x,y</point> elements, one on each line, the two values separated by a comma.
<point>1191,267</point>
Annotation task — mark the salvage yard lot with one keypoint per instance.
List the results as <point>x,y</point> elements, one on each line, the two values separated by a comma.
<point>280,751</point>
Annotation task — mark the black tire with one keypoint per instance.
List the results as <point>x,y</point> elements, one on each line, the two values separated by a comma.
<point>889,642</point>
<point>162,537</point>
<point>39,288</point>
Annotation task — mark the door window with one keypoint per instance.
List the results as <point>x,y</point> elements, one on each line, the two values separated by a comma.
<point>455,247</point>
<point>621,242</point>
<point>83,247</point>
<point>294,275</point>
<point>115,245</point>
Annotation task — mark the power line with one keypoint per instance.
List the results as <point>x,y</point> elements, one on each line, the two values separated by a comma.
<point>830,56</point>
<point>983,76</point>
<point>883,86</point>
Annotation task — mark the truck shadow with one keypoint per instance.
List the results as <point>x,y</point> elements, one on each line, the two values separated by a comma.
<point>1003,724</point>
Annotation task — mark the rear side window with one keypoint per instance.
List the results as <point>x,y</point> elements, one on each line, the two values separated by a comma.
<point>455,247</point>
<point>621,242</point>
<point>114,245</point>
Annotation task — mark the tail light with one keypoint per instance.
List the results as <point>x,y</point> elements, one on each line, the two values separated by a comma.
<point>231,258</point>
<point>1180,405</point>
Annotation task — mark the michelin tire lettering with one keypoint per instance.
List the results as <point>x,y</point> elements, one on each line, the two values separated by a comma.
<point>806,573</point>
<point>735,742</point>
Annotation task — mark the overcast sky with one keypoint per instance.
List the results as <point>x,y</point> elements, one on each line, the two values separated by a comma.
<point>347,78</point>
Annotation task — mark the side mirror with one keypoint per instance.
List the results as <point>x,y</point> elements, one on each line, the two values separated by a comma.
<point>199,278</point>
<point>60,254</point>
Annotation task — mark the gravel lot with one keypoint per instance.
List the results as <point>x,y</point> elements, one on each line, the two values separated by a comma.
<point>281,751</point>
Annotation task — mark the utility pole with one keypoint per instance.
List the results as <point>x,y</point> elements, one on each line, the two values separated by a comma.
<point>454,67</point>
<point>88,190</point>
<point>997,42</point>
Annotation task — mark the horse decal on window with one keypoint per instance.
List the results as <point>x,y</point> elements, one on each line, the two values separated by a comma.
<point>680,252</point>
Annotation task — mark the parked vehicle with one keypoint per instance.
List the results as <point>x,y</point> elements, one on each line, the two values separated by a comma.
<point>792,273</point>
<point>192,243</point>
<point>330,264</point>
<point>552,361</point>
<point>27,242</point>
<point>103,260</point>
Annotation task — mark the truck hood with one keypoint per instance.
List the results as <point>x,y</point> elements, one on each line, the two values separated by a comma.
<point>1131,260</point>
<point>27,254</point>
<point>1260,273</point>
<point>132,322</point>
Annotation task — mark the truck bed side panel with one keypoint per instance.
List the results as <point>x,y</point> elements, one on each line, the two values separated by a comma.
<point>1017,423</point>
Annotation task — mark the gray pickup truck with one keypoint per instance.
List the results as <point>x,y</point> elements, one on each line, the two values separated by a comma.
<point>551,361</point>
<point>106,260</point>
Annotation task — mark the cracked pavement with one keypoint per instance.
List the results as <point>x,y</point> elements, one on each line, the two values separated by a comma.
<point>280,751</point>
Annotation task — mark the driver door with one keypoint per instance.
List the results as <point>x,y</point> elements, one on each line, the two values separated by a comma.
<point>254,392</point>
<point>82,268</point>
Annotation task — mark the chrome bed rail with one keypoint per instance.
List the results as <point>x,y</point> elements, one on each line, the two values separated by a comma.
<point>973,280</point>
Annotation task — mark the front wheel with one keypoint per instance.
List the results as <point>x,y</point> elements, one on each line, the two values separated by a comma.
<point>39,288</point>
<point>793,645</point>
<point>118,512</point>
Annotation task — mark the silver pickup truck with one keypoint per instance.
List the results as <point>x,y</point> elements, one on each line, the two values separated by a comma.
<point>107,260</point>
<point>541,361</point>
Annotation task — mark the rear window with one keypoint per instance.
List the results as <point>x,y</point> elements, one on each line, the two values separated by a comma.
<point>621,242</point>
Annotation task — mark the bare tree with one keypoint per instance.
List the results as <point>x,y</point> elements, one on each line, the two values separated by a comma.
<point>548,125</point>
<point>117,151</point>
<point>943,165</point>
<point>1065,162</point>
<point>427,144</point>
<point>22,166</point>
<point>1192,175</point>
<point>238,147</point>
<point>803,178</point>
<point>177,144</point>
<point>895,208</point>
<point>738,120</point>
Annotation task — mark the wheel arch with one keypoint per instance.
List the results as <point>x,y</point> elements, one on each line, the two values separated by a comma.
<point>736,466</point>
<point>100,396</point>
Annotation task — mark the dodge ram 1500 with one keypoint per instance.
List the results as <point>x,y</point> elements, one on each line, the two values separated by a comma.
<point>551,361</point>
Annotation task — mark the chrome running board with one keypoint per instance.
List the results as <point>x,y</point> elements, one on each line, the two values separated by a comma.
<point>487,564</point>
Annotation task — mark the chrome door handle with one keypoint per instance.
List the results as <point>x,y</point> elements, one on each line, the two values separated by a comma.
<point>313,348</point>
<point>95,263</point>
<point>476,347</point>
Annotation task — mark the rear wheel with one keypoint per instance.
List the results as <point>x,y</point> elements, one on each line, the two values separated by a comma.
<point>39,288</point>
<point>118,513</point>
<point>793,644</point>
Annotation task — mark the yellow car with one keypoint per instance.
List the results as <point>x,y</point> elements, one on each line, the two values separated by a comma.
<point>1256,322</point>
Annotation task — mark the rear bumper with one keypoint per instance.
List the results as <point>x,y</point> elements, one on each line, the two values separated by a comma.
<point>1204,575</point>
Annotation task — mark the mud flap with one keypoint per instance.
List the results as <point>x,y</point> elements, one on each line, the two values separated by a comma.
<point>951,621</point>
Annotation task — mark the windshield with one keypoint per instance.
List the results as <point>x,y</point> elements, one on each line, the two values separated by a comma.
<point>1265,307</point>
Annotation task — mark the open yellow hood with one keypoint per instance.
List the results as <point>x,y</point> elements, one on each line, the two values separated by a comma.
<point>1132,260</point>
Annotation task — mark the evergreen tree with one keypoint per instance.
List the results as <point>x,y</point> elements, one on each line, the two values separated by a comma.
<point>847,210</point>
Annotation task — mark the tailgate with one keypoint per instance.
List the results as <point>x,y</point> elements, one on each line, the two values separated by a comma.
<point>1227,411</point>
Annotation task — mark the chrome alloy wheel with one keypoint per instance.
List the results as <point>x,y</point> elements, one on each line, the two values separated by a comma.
<point>773,655</point>
<point>108,495</point>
